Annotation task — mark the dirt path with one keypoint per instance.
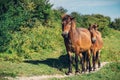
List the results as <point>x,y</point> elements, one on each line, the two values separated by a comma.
<point>46,77</point>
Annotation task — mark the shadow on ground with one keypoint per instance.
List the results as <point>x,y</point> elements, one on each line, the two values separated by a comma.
<point>59,63</point>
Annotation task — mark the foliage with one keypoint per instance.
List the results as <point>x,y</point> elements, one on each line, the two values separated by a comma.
<point>116,24</point>
<point>42,40</point>
<point>5,38</point>
<point>62,10</point>
<point>86,20</point>
<point>110,51</point>
<point>17,13</point>
<point>78,18</point>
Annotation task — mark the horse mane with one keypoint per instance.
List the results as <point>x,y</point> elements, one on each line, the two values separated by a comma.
<point>73,22</point>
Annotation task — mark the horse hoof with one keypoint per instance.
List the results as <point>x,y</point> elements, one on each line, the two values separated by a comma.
<point>69,73</point>
<point>83,71</point>
<point>77,73</point>
<point>99,66</point>
<point>93,69</point>
<point>90,69</point>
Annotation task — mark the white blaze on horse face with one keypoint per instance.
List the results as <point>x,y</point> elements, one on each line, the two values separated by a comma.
<point>93,35</point>
<point>66,28</point>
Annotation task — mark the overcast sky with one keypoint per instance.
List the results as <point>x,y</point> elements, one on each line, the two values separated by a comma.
<point>109,8</point>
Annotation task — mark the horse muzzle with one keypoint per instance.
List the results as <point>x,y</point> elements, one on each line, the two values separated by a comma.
<point>93,40</point>
<point>64,34</point>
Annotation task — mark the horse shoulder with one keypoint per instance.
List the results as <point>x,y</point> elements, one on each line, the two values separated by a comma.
<point>99,41</point>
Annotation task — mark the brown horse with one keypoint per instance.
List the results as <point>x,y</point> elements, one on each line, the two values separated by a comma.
<point>97,44</point>
<point>77,40</point>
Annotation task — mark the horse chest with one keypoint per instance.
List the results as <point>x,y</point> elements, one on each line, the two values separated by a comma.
<point>71,46</point>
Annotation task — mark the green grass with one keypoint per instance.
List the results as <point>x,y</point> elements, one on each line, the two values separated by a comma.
<point>31,67</point>
<point>109,72</point>
<point>111,48</point>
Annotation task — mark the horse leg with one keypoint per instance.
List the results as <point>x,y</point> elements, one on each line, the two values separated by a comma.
<point>82,62</point>
<point>98,58</point>
<point>70,63</point>
<point>88,61</point>
<point>76,61</point>
<point>94,60</point>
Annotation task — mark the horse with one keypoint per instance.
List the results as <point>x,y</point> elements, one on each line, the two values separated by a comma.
<point>97,44</point>
<point>76,40</point>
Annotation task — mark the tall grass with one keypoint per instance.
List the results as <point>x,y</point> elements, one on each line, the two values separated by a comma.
<point>111,48</point>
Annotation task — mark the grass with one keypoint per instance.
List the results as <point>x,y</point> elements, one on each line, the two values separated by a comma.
<point>111,49</point>
<point>109,72</point>
<point>30,67</point>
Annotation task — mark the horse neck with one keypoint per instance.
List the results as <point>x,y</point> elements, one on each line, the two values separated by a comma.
<point>99,40</point>
<point>73,30</point>
<point>73,26</point>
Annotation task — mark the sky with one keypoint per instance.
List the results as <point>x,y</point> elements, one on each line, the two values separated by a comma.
<point>109,8</point>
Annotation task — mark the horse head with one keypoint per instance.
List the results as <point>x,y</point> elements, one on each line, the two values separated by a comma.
<point>67,25</point>
<point>93,31</point>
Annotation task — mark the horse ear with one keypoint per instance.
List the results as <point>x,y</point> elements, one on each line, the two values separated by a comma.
<point>96,26</point>
<point>73,18</point>
<point>90,24</point>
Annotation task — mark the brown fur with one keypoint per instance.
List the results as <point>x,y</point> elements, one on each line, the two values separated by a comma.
<point>77,40</point>
<point>96,45</point>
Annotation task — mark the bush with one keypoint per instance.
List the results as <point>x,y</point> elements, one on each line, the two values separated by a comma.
<point>40,40</point>
<point>106,31</point>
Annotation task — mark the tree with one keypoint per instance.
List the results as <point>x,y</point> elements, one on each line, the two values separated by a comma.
<point>17,13</point>
<point>116,24</point>
<point>62,10</point>
<point>78,18</point>
<point>42,10</point>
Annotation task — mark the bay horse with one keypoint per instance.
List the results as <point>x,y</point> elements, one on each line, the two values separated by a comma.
<point>77,40</point>
<point>97,44</point>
